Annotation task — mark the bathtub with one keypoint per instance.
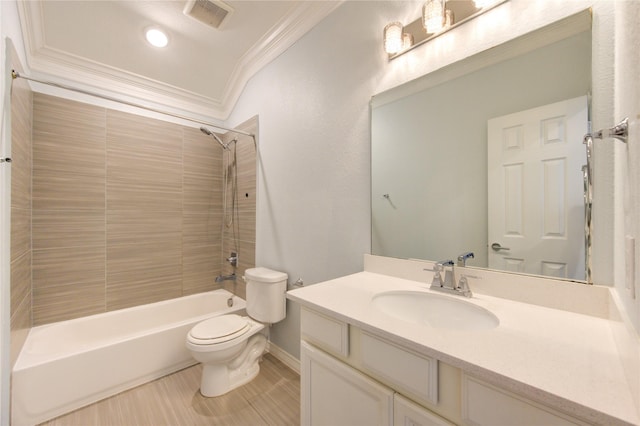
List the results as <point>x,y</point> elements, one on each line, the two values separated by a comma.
<point>66,365</point>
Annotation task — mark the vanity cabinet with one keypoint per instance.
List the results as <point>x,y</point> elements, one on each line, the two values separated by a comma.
<point>353,377</point>
<point>480,400</point>
<point>336,394</point>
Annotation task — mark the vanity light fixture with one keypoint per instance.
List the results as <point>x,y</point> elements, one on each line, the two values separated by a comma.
<point>433,15</point>
<point>438,17</point>
<point>156,37</point>
<point>393,38</point>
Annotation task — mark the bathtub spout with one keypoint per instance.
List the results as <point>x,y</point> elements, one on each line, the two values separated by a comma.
<point>221,278</point>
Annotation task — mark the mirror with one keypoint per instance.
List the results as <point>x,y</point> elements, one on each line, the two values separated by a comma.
<point>429,145</point>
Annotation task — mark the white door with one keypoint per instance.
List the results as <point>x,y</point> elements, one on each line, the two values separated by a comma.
<point>536,201</point>
<point>334,394</point>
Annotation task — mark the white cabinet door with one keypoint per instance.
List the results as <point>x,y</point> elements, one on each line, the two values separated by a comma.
<point>334,394</point>
<point>408,413</point>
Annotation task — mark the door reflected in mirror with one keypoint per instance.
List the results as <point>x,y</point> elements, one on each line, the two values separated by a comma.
<point>430,176</point>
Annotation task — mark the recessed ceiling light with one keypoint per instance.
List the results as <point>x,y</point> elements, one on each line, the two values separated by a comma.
<point>157,37</point>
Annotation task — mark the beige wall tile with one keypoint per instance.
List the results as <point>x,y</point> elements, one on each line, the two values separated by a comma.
<point>67,283</point>
<point>244,241</point>
<point>21,123</point>
<point>68,228</point>
<point>59,116</point>
<point>21,284</point>
<point>202,173</point>
<point>21,194</point>
<point>136,227</point>
<point>63,302</point>
<point>144,163</point>
<point>20,232</point>
<point>143,272</point>
<point>20,326</point>
<point>68,154</point>
<point>201,248</point>
<point>202,155</point>
<point>129,213</point>
<point>67,266</point>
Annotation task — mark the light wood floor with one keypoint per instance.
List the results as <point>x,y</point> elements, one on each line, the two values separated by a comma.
<point>272,398</point>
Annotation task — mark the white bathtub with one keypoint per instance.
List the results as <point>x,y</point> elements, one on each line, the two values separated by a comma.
<point>69,364</point>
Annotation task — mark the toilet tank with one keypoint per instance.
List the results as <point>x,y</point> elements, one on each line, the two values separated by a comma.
<point>266,290</point>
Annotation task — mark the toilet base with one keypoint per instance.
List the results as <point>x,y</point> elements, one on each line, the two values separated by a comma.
<point>218,379</point>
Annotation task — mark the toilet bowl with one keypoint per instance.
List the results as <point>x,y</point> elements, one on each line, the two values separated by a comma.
<point>231,346</point>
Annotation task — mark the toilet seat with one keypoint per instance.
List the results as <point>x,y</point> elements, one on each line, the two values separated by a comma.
<point>219,330</point>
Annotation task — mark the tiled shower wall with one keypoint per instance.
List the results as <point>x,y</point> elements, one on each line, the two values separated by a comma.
<point>21,123</point>
<point>244,240</point>
<point>127,210</point>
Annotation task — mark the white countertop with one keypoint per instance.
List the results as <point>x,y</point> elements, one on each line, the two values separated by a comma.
<point>566,360</point>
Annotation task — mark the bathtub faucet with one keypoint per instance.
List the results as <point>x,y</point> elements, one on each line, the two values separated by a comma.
<point>221,278</point>
<point>233,259</point>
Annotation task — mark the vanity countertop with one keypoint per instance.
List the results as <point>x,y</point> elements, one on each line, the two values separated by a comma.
<point>566,360</point>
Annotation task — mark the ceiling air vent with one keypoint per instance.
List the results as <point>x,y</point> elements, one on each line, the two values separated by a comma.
<point>210,12</point>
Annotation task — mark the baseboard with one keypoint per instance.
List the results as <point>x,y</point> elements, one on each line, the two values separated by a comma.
<point>284,356</point>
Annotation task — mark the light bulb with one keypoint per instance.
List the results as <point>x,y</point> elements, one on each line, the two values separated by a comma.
<point>433,16</point>
<point>156,37</point>
<point>393,38</point>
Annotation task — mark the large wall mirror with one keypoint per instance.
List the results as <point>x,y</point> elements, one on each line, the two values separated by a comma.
<point>434,170</point>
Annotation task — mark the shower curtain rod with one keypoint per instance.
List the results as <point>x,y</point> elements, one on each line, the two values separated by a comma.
<point>15,74</point>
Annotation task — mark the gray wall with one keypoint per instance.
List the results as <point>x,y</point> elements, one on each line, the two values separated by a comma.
<point>313,213</point>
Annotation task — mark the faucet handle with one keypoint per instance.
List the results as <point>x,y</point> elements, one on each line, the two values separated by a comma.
<point>463,285</point>
<point>438,267</point>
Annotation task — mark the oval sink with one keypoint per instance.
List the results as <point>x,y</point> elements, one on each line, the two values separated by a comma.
<point>435,310</point>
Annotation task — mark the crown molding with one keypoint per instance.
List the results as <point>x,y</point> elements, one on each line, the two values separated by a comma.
<point>62,67</point>
<point>278,39</point>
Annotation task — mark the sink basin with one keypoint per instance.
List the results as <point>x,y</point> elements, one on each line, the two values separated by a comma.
<point>435,310</point>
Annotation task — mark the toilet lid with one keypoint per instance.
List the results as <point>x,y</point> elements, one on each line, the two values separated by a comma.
<point>219,329</point>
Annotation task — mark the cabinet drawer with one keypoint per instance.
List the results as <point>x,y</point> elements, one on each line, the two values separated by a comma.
<point>328,333</point>
<point>485,404</point>
<point>406,371</point>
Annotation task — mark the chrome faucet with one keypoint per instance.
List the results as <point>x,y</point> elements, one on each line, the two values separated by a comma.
<point>448,285</point>
<point>221,278</point>
<point>462,259</point>
<point>438,268</point>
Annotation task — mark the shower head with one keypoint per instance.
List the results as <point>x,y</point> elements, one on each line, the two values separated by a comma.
<point>206,131</point>
<point>210,133</point>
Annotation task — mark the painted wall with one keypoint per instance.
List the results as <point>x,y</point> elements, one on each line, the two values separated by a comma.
<point>627,241</point>
<point>313,217</point>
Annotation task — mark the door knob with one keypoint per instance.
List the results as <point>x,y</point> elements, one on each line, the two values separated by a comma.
<point>498,247</point>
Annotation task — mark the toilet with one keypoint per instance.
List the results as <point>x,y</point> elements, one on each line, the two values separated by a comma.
<point>230,346</point>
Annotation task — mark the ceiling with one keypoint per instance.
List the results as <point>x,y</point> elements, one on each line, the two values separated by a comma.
<point>100,45</point>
